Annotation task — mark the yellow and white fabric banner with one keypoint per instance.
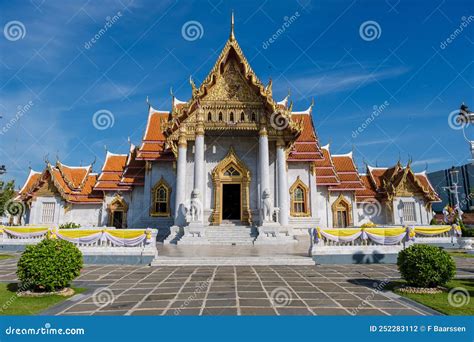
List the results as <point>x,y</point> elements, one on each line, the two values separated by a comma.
<point>383,236</point>
<point>25,232</point>
<point>386,236</point>
<point>341,234</point>
<point>431,230</point>
<point>117,237</point>
<point>126,238</point>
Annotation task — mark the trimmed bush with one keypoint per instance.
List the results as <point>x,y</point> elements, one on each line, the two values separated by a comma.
<point>69,225</point>
<point>49,266</point>
<point>425,266</point>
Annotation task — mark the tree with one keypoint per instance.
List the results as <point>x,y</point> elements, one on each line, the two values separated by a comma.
<point>7,192</point>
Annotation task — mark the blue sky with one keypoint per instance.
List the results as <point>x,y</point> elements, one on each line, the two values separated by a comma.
<point>407,66</point>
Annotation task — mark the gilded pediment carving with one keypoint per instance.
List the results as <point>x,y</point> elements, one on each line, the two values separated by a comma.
<point>231,86</point>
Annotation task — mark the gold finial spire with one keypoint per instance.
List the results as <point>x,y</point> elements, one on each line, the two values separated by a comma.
<point>232,36</point>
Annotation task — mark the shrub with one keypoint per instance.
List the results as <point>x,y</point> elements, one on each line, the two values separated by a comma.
<point>434,221</point>
<point>425,266</point>
<point>49,266</point>
<point>69,225</point>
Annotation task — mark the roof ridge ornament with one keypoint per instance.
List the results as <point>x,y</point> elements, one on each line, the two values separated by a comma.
<point>232,35</point>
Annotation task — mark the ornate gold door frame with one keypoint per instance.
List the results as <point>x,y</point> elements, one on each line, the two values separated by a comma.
<point>231,170</point>
<point>118,204</point>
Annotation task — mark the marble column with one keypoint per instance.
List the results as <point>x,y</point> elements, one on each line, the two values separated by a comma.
<point>199,163</point>
<point>282,183</point>
<point>180,198</point>
<point>264,165</point>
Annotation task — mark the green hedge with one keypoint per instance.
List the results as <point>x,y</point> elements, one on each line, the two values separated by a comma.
<point>426,266</point>
<point>49,266</point>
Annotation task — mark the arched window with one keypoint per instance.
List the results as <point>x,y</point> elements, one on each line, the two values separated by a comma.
<point>254,117</point>
<point>242,117</point>
<point>220,116</point>
<point>231,117</point>
<point>161,199</point>
<point>209,116</point>
<point>299,199</point>
<point>341,213</point>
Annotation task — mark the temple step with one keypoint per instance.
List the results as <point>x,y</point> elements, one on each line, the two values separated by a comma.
<point>233,261</point>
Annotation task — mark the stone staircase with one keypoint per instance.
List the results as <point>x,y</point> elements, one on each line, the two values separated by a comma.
<point>228,233</point>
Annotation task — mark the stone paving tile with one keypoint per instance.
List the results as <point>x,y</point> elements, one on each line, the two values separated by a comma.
<point>241,290</point>
<point>294,312</point>
<point>150,312</point>
<point>257,312</point>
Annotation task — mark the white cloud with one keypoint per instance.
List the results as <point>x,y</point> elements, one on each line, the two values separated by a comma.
<point>341,80</point>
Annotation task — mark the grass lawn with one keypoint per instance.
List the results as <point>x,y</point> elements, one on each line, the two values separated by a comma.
<point>10,304</point>
<point>461,255</point>
<point>5,256</point>
<point>439,301</point>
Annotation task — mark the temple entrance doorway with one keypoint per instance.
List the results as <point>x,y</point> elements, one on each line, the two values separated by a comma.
<point>231,202</point>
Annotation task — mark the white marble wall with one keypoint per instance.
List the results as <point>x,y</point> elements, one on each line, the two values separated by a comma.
<point>87,215</point>
<point>423,216</point>
<point>373,211</point>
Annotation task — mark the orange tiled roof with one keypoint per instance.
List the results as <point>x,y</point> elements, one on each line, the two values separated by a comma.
<point>325,171</point>
<point>134,170</point>
<point>74,184</point>
<point>369,192</point>
<point>153,144</point>
<point>111,174</point>
<point>347,173</point>
<point>384,180</point>
<point>33,177</point>
<point>306,146</point>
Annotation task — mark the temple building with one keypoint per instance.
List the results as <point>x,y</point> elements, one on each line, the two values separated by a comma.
<point>231,160</point>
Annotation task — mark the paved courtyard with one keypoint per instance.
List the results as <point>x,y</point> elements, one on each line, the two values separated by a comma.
<point>236,290</point>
